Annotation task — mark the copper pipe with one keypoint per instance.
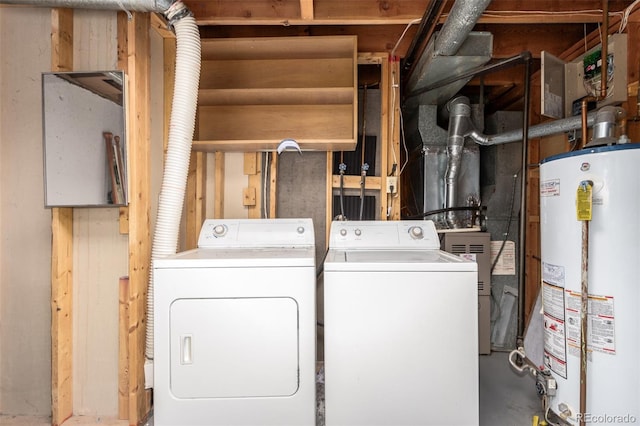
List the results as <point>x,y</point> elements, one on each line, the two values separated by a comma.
<point>584,313</point>
<point>585,130</point>
<point>604,68</point>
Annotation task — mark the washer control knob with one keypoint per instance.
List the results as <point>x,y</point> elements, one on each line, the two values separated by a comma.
<point>343,232</point>
<point>219,230</point>
<point>416,232</point>
<point>300,229</point>
<point>358,232</point>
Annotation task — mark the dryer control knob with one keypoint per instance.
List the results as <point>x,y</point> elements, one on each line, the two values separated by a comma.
<point>219,230</point>
<point>343,232</point>
<point>300,229</point>
<point>357,232</point>
<point>416,232</point>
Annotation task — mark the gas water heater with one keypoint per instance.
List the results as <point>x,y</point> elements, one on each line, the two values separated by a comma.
<point>612,175</point>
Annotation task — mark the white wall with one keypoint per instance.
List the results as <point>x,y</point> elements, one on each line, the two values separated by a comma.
<point>25,225</point>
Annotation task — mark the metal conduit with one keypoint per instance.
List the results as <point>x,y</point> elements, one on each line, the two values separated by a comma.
<point>130,5</point>
<point>462,18</point>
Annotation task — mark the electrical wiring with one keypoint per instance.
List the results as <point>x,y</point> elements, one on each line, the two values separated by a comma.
<point>625,15</point>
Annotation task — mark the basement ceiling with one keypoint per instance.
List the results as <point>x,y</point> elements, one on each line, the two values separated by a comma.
<point>556,26</point>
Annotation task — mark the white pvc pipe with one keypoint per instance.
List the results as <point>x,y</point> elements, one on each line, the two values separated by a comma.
<point>181,128</point>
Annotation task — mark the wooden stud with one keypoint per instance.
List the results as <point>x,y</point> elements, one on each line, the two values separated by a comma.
<point>195,198</point>
<point>123,218</point>
<point>273,181</point>
<point>218,205</point>
<point>255,182</point>
<point>250,163</point>
<point>306,10</point>
<point>393,143</point>
<point>61,315</point>
<point>329,202</point>
<point>249,197</point>
<point>384,133</point>
<point>138,52</point>
<point>61,253</point>
<point>123,349</point>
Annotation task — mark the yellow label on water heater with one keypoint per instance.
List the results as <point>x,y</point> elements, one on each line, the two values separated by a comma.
<point>584,201</point>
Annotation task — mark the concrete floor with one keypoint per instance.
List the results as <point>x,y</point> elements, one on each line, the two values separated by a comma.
<point>506,399</point>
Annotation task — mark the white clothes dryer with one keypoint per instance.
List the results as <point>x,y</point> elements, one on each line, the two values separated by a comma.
<point>400,327</point>
<point>235,326</point>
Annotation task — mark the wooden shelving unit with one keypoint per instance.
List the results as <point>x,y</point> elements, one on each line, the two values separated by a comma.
<point>255,92</point>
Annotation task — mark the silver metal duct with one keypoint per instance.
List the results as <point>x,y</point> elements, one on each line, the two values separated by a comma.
<point>454,50</point>
<point>459,108</point>
<point>128,5</point>
<point>461,20</point>
<point>460,119</point>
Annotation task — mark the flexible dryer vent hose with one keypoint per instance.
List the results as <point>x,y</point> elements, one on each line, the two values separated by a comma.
<point>181,128</point>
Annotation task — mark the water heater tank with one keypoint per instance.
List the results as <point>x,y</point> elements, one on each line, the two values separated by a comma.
<point>613,333</point>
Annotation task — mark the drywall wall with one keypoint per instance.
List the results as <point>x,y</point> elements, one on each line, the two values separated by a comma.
<point>25,225</point>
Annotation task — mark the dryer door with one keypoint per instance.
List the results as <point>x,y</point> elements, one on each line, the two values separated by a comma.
<point>234,347</point>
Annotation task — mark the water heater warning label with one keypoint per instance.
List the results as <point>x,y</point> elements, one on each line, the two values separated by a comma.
<point>555,355</point>
<point>550,188</point>
<point>601,323</point>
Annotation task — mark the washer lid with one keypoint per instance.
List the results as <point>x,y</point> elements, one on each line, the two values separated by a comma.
<point>395,260</point>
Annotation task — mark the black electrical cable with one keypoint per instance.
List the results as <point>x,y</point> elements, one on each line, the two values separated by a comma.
<point>447,209</point>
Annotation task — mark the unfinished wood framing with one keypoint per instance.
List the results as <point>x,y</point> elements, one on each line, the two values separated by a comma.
<point>218,204</point>
<point>61,253</point>
<point>138,47</point>
<point>389,143</point>
<point>123,349</point>
<point>393,142</point>
<point>253,195</point>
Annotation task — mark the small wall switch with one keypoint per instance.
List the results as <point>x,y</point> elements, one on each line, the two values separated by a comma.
<point>392,184</point>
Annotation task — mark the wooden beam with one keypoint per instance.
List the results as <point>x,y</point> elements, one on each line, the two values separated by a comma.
<point>402,12</point>
<point>306,10</point>
<point>138,53</point>
<point>61,253</point>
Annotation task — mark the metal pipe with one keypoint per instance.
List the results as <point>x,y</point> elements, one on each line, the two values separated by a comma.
<point>523,203</point>
<point>426,29</point>
<point>537,131</point>
<point>129,5</point>
<point>458,123</point>
<point>461,20</point>
<point>604,68</point>
<point>477,72</point>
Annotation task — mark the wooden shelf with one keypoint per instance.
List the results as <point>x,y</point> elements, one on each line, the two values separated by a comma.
<point>255,92</point>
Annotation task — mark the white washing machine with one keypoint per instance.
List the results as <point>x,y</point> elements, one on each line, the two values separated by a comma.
<point>234,326</point>
<point>400,327</point>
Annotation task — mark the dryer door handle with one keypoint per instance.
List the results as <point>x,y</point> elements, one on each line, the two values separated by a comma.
<point>186,354</point>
